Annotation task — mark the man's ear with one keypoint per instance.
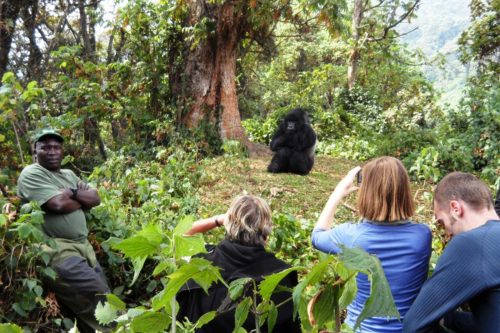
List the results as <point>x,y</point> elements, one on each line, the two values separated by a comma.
<point>456,208</point>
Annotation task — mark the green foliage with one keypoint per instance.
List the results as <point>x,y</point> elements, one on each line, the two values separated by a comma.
<point>24,264</point>
<point>332,279</point>
<point>17,103</point>
<point>10,328</point>
<point>380,303</point>
<point>234,148</point>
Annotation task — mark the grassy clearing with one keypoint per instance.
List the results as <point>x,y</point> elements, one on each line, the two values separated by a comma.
<point>301,196</point>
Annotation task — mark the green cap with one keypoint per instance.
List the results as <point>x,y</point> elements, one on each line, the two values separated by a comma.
<point>46,132</point>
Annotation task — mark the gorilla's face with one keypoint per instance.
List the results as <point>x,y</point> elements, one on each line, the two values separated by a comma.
<point>290,126</point>
<point>295,120</point>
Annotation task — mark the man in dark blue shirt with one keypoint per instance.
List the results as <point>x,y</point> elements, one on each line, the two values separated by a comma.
<point>469,269</point>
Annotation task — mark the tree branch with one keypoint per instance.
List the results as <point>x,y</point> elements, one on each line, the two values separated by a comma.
<point>376,6</point>
<point>393,25</point>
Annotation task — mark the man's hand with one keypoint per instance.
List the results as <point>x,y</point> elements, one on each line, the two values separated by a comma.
<point>70,200</point>
<point>88,197</point>
<point>82,186</point>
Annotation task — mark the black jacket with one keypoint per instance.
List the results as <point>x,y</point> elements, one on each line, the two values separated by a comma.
<point>237,261</point>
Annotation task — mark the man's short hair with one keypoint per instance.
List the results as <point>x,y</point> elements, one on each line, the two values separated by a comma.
<point>385,193</point>
<point>466,187</point>
<point>248,221</point>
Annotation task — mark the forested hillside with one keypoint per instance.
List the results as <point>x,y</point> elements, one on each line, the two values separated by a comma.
<point>439,25</point>
<point>168,108</point>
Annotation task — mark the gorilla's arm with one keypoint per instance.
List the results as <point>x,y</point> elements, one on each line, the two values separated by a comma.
<point>307,139</point>
<point>279,139</point>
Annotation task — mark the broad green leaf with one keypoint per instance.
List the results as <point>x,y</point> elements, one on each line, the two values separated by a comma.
<point>67,159</point>
<point>271,317</point>
<point>19,310</point>
<point>184,225</point>
<point>105,314</point>
<point>138,263</point>
<point>115,302</point>
<point>8,77</point>
<point>3,220</point>
<point>263,311</point>
<point>301,308</point>
<point>241,314</point>
<point>267,286</point>
<point>151,322</point>
<point>314,276</point>
<point>10,328</point>
<point>324,309</point>
<point>189,245</point>
<point>205,319</point>
<point>207,276</point>
<point>178,278</point>
<point>162,266</point>
<point>348,292</point>
<point>152,233</point>
<point>380,303</point>
<point>24,230</point>
<point>136,247</point>
<point>237,287</point>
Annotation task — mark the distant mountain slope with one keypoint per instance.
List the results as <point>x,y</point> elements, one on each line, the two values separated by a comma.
<point>439,25</point>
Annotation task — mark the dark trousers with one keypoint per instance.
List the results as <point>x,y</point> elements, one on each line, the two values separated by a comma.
<point>79,287</point>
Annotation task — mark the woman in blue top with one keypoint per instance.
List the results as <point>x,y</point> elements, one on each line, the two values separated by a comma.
<point>403,247</point>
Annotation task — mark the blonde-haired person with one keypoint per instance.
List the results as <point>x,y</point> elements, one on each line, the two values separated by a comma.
<point>403,247</point>
<point>241,254</point>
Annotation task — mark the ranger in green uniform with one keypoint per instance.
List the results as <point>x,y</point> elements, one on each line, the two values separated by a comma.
<point>80,284</point>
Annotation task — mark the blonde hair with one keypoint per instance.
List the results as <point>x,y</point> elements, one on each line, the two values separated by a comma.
<point>385,193</point>
<point>248,221</point>
<point>465,187</point>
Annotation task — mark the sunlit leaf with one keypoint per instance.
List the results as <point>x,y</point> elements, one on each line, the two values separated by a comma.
<point>184,225</point>
<point>189,245</point>
<point>136,247</point>
<point>115,302</point>
<point>237,287</point>
<point>151,322</point>
<point>380,302</point>
<point>269,283</point>
<point>205,319</point>
<point>10,328</point>
<point>241,313</point>
<point>105,314</point>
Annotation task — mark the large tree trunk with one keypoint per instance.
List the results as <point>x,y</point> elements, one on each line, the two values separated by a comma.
<point>354,56</point>
<point>92,134</point>
<point>211,71</point>
<point>29,14</point>
<point>9,11</point>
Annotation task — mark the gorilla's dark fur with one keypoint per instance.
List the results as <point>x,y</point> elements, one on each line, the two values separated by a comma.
<point>293,144</point>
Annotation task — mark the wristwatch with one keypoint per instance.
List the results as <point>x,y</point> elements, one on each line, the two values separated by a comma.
<point>74,191</point>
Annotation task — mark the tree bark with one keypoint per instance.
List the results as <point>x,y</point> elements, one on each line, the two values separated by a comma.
<point>354,56</point>
<point>211,71</point>
<point>84,30</point>
<point>29,14</point>
<point>9,11</point>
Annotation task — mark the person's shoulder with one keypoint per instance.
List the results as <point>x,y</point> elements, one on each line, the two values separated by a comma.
<point>477,235</point>
<point>68,172</point>
<point>468,241</point>
<point>32,169</point>
<point>421,227</point>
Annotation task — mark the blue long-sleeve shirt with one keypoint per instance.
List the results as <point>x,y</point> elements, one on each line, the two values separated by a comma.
<point>467,271</point>
<point>403,248</point>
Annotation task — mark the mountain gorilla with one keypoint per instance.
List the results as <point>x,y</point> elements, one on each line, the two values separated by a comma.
<point>293,144</point>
